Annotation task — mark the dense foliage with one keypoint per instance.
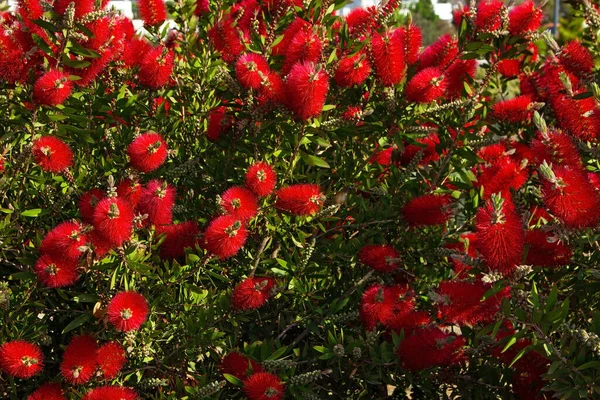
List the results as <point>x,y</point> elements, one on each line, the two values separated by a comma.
<point>275,202</point>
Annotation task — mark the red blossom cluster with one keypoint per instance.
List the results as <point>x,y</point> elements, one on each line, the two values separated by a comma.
<point>258,384</point>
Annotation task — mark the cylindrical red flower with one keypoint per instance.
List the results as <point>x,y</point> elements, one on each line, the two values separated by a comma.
<point>383,304</point>
<point>56,272</point>
<point>111,393</point>
<point>21,359</point>
<point>430,347</point>
<point>111,359</point>
<point>353,70</point>
<point>306,90</point>
<point>429,209</point>
<point>576,59</point>
<point>52,154</point>
<point>387,53</point>
<point>525,17</point>
<point>48,391</point>
<point>515,110</point>
<point>261,178</point>
<point>239,365</point>
<point>301,199</point>
<point>153,12</point>
<point>113,220</point>
<point>380,257</point>
<point>239,202</point>
<point>64,241</point>
<point>500,235</point>
<point>130,190</point>
<point>157,201</point>
<point>178,237</point>
<point>456,76</point>
<point>264,386</point>
<point>252,293</point>
<point>225,236</point>
<point>412,39</point>
<point>426,86</point>
<point>440,53</point>
<point>52,88</point>
<point>156,67</point>
<point>544,249</point>
<point>251,69</point>
<point>88,202</point>
<point>489,15</point>
<point>217,123</point>
<point>147,152</point>
<point>305,47</point>
<point>127,311</point>
<point>79,362</point>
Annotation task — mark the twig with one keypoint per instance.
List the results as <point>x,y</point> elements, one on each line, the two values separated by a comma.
<point>261,249</point>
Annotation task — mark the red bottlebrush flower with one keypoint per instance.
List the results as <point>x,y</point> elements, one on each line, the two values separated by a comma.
<point>127,311</point>
<point>135,51</point>
<point>30,9</point>
<point>409,322</point>
<point>264,386</point>
<point>239,202</point>
<point>261,178</point>
<point>153,12</point>
<point>202,7</point>
<point>570,197</point>
<point>489,15</point>
<point>52,88</point>
<point>88,202</point>
<point>439,54</point>
<point>383,157</point>
<point>290,32</point>
<point>500,235</point>
<point>226,39</point>
<point>239,365</point>
<point>458,14</point>
<point>156,67</point>
<point>111,393</point>
<point>52,154</point>
<point>545,250</point>
<point>493,153</point>
<point>100,245</point>
<point>353,114</point>
<point>502,175</point>
<point>556,148</point>
<point>225,236</point>
<point>361,21</point>
<point>111,358</point>
<point>387,53</point>
<point>382,304</point>
<point>509,68</point>
<point>130,190</point>
<point>468,246</point>
<point>250,70</point>
<point>456,75</point>
<point>425,144</point>
<point>306,90</point>
<point>178,237</point>
<point>411,38</point>
<point>305,47</point>
<point>113,220</point>
<point>525,17</point>
<point>430,347</point>
<point>518,109</point>
<point>429,209</point>
<point>157,201</point>
<point>580,118</point>
<point>56,272</point>
<point>462,303</point>
<point>382,258</point>
<point>576,59</point>
<point>272,89</point>
<point>82,7</point>
<point>1,163</point>
<point>252,293</point>
<point>79,362</point>
<point>302,199</point>
<point>147,152</point>
<point>426,86</point>
<point>21,359</point>
<point>353,70</point>
<point>217,123</point>
<point>48,391</point>
<point>64,241</point>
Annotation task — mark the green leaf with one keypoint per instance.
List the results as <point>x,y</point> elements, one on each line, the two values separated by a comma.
<point>75,63</point>
<point>42,45</point>
<point>232,379</point>
<point>518,356</point>
<point>590,364</point>
<point>321,349</point>
<point>511,341</point>
<point>34,212</point>
<point>77,322</point>
<point>314,161</point>
<point>278,353</point>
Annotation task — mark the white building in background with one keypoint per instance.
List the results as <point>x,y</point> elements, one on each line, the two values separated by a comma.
<point>443,8</point>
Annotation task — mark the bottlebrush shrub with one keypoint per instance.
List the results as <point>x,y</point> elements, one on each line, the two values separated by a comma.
<point>268,200</point>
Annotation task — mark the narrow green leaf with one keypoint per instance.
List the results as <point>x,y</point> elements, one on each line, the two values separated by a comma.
<point>77,322</point>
